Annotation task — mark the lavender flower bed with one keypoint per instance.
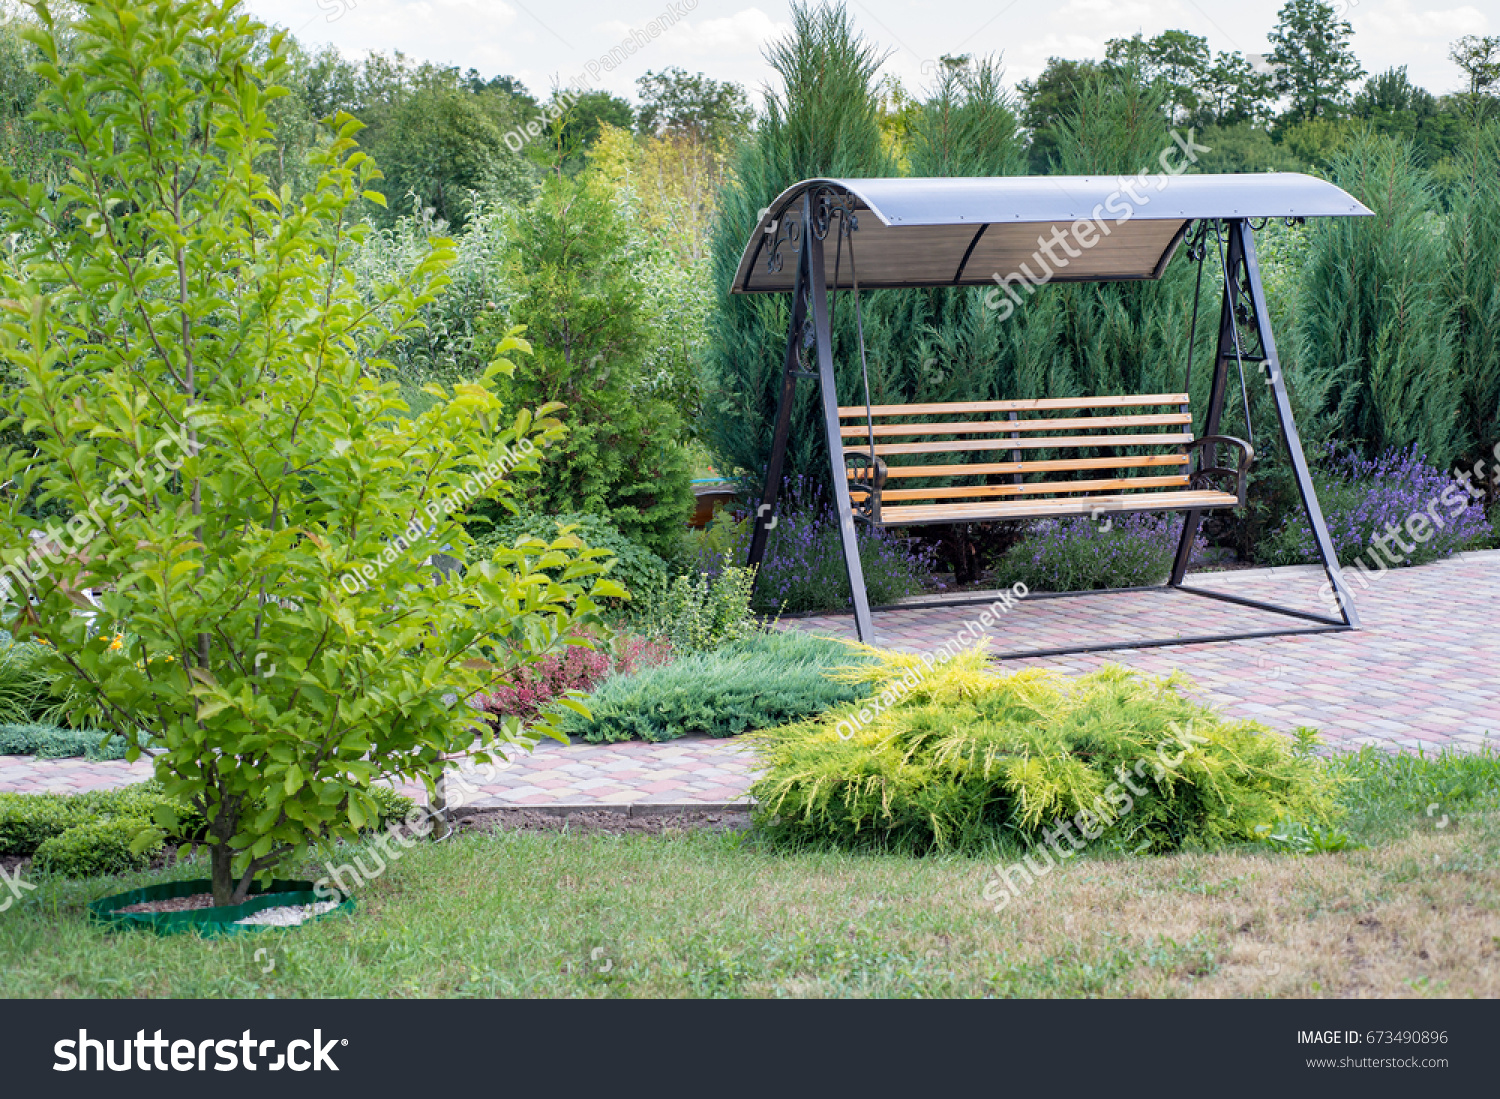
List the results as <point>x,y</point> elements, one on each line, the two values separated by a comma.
<point>804,564</point>
<point>1121,551</point>
<point>1363,498</point>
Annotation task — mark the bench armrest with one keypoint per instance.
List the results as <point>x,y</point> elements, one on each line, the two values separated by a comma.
<point>1204,473</point>
<point>870,476</point>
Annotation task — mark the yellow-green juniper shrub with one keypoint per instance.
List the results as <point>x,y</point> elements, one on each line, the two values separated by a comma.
<point>962,755</point>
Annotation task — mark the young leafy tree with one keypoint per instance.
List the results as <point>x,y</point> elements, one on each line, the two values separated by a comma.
<point>1313,59</point>
<point>251,506</point>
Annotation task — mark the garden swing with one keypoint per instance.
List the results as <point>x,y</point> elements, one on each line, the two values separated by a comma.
<point>913,464</point>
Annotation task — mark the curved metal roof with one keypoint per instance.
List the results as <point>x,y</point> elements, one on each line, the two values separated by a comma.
<point>1005,229</point>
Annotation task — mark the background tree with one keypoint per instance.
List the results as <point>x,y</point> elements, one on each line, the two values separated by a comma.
<point>439,145</point>
<point>1313,59</point>
<point>1396,107</point>
<point>1178,60</point>
<point>577,125</point>
<point>1046,101</point>
<point>1235,93</point>
<point>24,148</point>
<point>706,111</point>
<point>583,303</point>
<point>1479,57</point>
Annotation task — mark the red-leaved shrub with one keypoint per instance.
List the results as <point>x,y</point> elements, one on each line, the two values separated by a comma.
<point>576,668</point>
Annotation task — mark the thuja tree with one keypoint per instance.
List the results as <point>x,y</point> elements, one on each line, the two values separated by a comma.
<point>583,299</point>
<point>1472,286</point>
<point>826,124</point>
<point>1374,336</point>
<point>197,390</point>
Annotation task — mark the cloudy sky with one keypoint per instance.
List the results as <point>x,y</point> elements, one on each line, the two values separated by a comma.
<point>549,42</point>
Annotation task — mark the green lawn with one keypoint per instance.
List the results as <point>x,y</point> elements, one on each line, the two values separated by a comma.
<point>1417,912</point>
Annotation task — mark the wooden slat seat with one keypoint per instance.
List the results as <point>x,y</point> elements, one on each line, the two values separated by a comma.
<point>1116,460</point>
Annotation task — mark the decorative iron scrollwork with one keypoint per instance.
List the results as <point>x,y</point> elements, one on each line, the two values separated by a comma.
<point>786,230</point>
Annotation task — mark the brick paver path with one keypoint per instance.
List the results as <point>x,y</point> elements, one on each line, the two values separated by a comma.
<point>692,771</point>
<point>1422,673</point>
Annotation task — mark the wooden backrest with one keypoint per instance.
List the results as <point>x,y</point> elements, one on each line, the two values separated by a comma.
<point>1148,431</point>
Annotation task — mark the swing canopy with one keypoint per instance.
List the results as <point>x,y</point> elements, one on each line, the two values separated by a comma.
<point>969,231</point>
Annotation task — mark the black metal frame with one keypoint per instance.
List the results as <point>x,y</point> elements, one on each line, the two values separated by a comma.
<point>1244,323</point>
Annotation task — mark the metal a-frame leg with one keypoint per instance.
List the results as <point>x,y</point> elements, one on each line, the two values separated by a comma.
<point>765,517</point>
<point>843,507</point>
<point>810,289</point>
<point>1240,254</point>
<point>1289,434</point>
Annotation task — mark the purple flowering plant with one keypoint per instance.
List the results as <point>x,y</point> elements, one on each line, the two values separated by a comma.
<point>1085,554</point>
<point>804,565</point>
<point>1363,498</point>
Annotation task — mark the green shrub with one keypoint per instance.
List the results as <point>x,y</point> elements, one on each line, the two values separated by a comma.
<point>50,742</point>
<point>146,801</point>
<point>641,572</point>
<point>29,820</point>
<point>957,757</point>
<point>97,848</point>
<point>393,807</point>
<point>697,614</point>
<point>764,680</point>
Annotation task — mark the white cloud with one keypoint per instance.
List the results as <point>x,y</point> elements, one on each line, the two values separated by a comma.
<point>744,32</point>
<point>539,41</point>
<point>1399,32</point>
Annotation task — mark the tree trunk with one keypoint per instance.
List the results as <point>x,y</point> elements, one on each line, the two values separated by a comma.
<point>221,859</point>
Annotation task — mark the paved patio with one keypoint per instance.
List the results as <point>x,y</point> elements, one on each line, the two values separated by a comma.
<point>1420,674</point>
